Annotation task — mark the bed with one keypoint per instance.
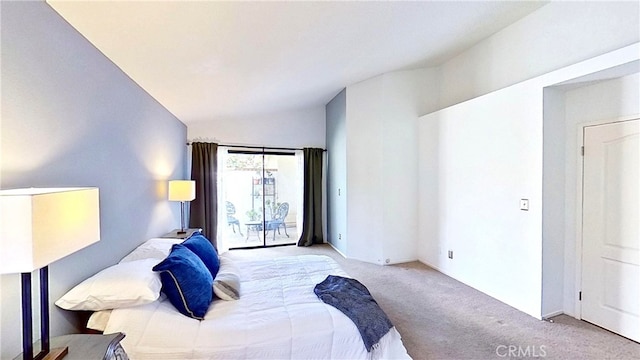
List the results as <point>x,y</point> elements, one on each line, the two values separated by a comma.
<point>277,316</point>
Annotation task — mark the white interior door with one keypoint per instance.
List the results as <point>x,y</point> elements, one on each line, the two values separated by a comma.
<point>610,237</point>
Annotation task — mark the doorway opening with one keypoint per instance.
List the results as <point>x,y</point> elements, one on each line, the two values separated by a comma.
<point>259,196</point>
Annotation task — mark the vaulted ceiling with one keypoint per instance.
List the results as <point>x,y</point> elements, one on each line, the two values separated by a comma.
<point>208,59</point>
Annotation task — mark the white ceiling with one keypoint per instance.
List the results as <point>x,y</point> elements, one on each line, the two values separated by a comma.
<point>208,59</point>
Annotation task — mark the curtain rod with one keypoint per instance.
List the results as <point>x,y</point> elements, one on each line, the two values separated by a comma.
<point>255,147</point>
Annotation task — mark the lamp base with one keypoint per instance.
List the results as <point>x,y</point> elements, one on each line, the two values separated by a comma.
<point>56,354</point>
<point>181,232</point>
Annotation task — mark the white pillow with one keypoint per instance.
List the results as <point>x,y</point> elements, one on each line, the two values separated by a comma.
<point>157,248</point>
<point>121,285</point>
<point>226,285</point>
<point>98,320</point>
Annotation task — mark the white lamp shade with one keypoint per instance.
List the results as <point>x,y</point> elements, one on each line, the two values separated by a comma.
<point>182,190</point>
<point>40,226</point>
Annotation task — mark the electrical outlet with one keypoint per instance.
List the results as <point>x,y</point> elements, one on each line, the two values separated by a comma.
<point>450,254</point>
<point>339,236</point>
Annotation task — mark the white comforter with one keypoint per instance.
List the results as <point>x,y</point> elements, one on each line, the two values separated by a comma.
<point>277,317</point>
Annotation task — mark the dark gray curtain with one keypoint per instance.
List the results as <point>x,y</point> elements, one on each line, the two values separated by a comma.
<point>204,170</point>
<point>312,198</point>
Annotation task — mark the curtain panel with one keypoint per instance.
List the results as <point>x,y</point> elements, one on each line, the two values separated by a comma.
<point>312,198</point>
<point>204,170</point>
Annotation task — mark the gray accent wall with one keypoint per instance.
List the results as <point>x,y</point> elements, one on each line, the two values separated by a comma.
<point>336,113</point>
<point>70,117</point>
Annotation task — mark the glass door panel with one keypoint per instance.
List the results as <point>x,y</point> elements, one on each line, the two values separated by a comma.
<point>280,199</point>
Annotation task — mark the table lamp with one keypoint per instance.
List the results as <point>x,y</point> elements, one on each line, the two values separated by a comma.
<point>182,190</point>
<point>37,227</point>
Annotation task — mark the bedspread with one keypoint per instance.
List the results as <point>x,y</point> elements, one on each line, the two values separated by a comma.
<point>278,316</point>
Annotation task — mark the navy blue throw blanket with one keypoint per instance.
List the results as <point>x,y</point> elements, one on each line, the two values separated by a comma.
<point>355,301</point>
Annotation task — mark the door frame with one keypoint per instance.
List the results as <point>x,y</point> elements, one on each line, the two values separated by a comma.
<point>579,200</point>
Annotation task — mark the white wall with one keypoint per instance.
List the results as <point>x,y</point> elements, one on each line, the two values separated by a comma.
<point>364,170</point>
<point>298,129</point>
<point>553,208</point>
<point>557,35</point>
<point>596,103</point>
<point>70,117</point>
<point>336,175</point>
<point>381,122</point>
<point>480,158</point>
<point>477,159</point>
<point>406,95</point>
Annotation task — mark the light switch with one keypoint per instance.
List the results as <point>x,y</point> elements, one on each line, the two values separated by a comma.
<point>524,204</point>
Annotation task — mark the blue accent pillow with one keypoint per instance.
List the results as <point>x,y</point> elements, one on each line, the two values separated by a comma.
<point>186,281</point>
<point>202,247</point>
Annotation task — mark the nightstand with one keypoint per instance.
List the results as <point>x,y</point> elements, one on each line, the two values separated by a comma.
<point>174,234</point>
<point>88,347</point>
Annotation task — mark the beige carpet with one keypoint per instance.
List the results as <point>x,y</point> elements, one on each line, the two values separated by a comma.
<point>441,318</point>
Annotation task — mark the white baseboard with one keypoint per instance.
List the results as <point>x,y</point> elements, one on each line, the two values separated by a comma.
<point>336,249</point>
<point>552,314</point>
<point>402,261</point>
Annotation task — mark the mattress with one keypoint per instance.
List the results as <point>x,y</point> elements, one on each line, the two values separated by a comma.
<point>278,316</point>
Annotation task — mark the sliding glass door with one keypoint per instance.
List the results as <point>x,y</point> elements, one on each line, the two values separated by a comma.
<point>259,196</point>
